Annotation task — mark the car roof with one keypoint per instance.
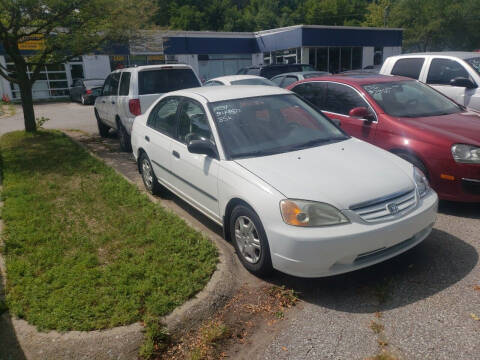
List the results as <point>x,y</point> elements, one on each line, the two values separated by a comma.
<point>220,93</point>
<point>458,54</point>
<point>358,79</point>
<point>230,78</point>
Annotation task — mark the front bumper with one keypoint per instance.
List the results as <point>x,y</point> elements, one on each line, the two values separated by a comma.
<point>318,252</point>
<point>466,184</point>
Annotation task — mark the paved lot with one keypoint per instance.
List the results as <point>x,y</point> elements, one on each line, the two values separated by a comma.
<point>62,116</point>
<point>424,302</point>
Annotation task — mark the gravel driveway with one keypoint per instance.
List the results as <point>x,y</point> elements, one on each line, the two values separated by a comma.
<point>424,304</point>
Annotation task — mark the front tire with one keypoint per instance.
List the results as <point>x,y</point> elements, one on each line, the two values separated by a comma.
<point>250,240</point>
<point>125,142</point>
<point>102,128</point>
<point>148,176</point>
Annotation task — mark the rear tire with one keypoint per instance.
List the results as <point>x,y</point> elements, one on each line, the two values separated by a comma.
<point>125,142</point>
<point>148,176</point>
<point>102,128</point>
<point>250,240</point>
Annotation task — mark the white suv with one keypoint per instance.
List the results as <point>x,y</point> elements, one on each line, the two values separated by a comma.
<point>455,74</point>
<point>129,92</point>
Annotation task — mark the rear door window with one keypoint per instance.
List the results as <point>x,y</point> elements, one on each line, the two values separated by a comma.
<point>442,71</point>
<point>166,80</point>
<point>125,84</point>
<point>107,85</point>
<point>315,92</point>
<point>408,67</point>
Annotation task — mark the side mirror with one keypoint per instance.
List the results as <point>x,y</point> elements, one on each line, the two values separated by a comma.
<point>362,113</point>
<point>203,147</point>
<point>463,82</point>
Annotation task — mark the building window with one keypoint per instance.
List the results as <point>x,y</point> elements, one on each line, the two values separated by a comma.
<point>357,58</point>
<point>378,56</point>
<point>334,59</point>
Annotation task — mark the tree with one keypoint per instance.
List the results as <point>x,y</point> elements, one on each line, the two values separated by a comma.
<point>66,29</point>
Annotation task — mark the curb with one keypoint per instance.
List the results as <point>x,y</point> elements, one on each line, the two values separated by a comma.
<point>123,342</point>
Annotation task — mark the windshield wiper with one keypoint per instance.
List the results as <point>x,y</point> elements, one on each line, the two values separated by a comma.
<point>314,142</point>
<point>255,153</point>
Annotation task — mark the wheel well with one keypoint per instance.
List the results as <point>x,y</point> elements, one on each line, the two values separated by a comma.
<point>412,154</point>
<point>228,212</point>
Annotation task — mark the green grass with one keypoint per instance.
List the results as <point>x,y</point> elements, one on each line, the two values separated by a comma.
<point>84,248</point>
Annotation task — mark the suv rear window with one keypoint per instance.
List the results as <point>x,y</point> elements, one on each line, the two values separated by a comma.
<point>165,80</point>
<point>408,67</point>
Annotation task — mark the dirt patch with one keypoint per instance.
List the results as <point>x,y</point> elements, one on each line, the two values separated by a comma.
<point>250,311</point>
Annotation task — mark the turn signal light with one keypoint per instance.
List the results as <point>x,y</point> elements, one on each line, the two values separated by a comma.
<point>134,107</point>
<point>447,177</point>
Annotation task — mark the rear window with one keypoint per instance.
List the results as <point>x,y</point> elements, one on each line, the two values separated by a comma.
<point>162,81</point>
<point>408,67</point>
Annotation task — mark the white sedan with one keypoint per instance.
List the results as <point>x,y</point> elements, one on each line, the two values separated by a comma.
<point>292,191</point>
<point>239,80</point>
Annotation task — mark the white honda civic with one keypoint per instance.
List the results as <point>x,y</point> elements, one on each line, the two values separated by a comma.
<point>292,191</point>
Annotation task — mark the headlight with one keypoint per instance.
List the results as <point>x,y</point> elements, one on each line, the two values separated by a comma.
<point>466,153</point>
<point>420,181</point>
<point>310,213</point>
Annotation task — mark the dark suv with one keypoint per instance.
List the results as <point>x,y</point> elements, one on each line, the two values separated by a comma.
<point>269,71</point>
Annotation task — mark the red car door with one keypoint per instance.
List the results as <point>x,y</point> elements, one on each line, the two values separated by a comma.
<point>356,116</point>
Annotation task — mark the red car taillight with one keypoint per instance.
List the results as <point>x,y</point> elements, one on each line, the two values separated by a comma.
<point>88,92</point>
<point>134,107</point>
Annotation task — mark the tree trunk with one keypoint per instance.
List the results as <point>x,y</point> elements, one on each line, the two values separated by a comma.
<point>27,105</point>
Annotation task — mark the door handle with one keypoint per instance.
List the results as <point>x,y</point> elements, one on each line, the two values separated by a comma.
<point>113,102</point>
<point>176,154</point>
<point>147,138</point>
<point>103,101</point>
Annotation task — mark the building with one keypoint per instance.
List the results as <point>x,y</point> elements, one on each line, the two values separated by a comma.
<point>211,54</point>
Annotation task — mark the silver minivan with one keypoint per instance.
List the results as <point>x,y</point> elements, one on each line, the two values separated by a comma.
<point>129,92</point>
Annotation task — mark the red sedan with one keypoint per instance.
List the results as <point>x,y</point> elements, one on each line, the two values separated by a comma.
<point>409,119</point>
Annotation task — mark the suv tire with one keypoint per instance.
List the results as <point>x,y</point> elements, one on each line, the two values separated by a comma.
<point>125,141</point>
<point>102,128</point>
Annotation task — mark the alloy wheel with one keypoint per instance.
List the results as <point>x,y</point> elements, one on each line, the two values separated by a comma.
<point>147,173</point>
<point>248,240</point>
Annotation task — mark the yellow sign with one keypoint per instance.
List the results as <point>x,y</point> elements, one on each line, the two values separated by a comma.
<point>156,57</point>
<point>118,58</point>
<point>32,42</point>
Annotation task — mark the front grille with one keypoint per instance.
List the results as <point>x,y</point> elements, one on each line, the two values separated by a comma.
<point>386,208</point>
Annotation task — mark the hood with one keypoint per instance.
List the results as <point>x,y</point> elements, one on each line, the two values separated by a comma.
<point>462,127</point>
<point>342,174</point>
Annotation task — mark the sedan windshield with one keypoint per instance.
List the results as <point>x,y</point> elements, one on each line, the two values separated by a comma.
<point>474,63</point>
<point>410,99</point>
<point>253,81</point>
<point>269,125</point>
